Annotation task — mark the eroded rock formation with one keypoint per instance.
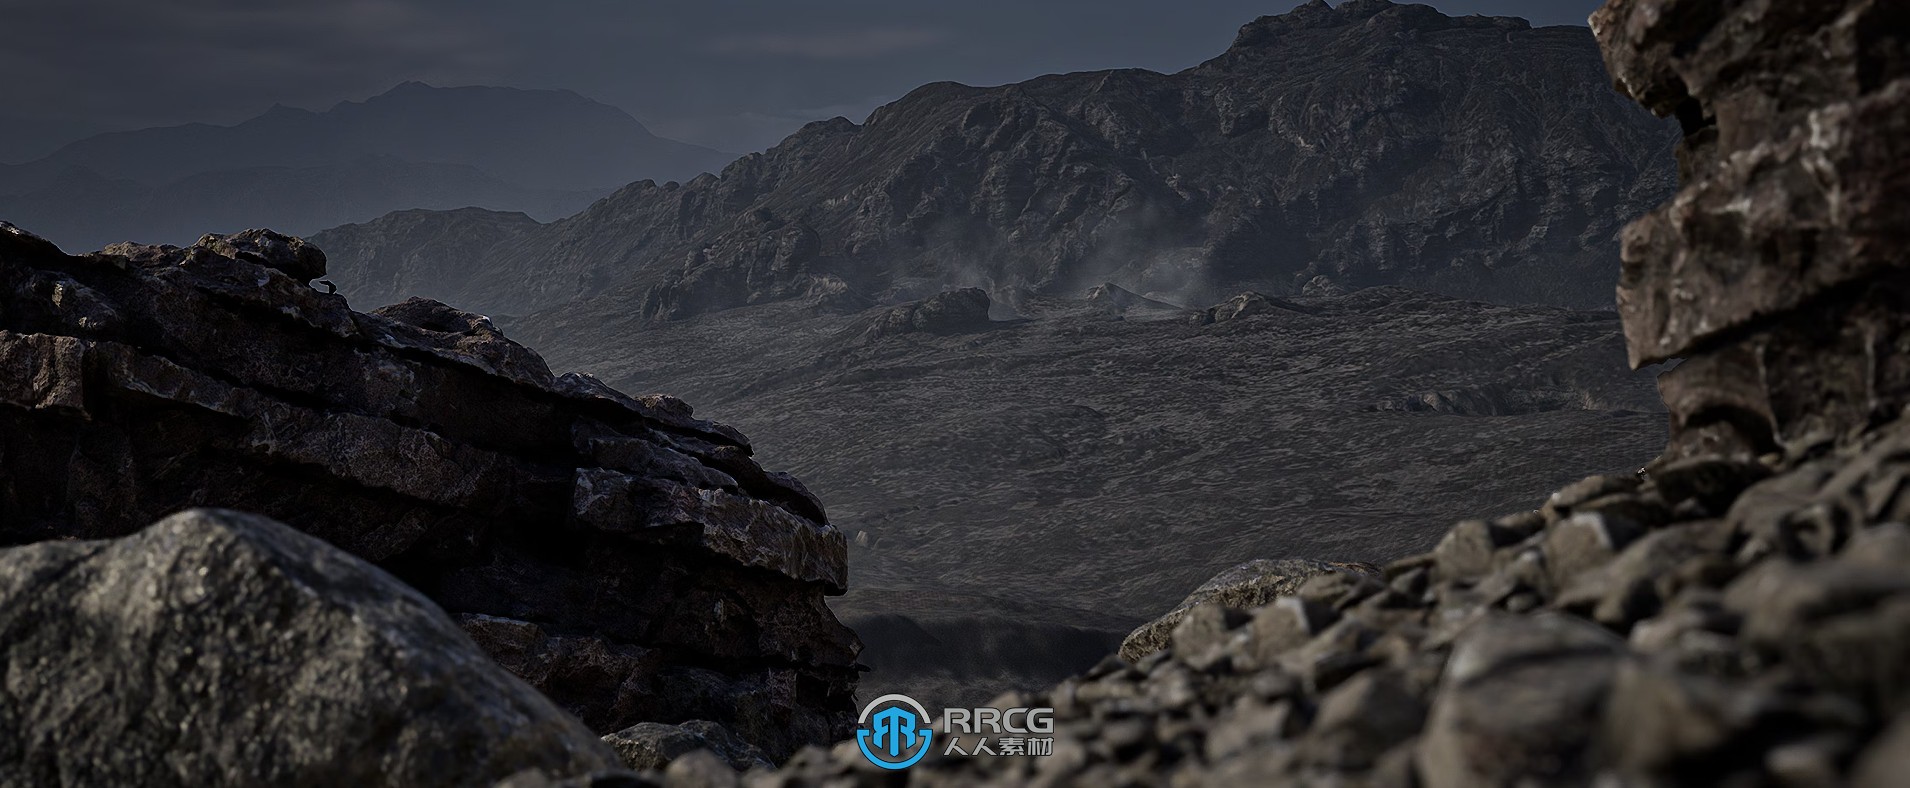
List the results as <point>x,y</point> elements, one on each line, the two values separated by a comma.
<point>629,560</point>
<point>1781,270</point>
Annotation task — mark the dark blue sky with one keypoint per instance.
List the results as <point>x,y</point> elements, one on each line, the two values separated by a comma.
<point>732,74</point>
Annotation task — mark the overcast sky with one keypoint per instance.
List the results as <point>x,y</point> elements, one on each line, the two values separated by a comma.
<point>731,74</point>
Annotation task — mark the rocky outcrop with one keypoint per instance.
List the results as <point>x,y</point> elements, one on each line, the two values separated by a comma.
<point>952,312</point>
<point>385,261</point>
<point>1371,143</point>
<point>1250,585</point>
<point>1119,300</point>
<point>1247,304</point>
<point>629,560</point>
<point>652,746</point>
<point>220,649</point>
<point>1735,613</point>
<point>1779,272</point>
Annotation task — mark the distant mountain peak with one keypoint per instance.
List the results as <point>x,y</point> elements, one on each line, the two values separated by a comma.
<point>1318,15</point>
<point>1369,144</point>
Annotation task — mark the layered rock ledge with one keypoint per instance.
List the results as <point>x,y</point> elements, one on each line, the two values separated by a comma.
<point>629,560</point>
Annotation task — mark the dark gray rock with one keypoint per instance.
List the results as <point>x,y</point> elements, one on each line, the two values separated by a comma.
<point>1520,701</point>
<point>1286,624</point>
<point>653,746</point>
<point>630,560</point>
<point>1362,719</point>
<point>1204,631</point>
<point>1470,549</point>
<point>1246,587</point>
<point>1592,488</point>
<point>1712,481</point>
<point>1248,305</point>
<point>951,312</point>
<point>221,649</point>
<point>1121,301</point>
<point>296,258</point>
<point>1643,577</point>
<point>700,769</point>
<point>1887,759</point>
<point>1583,542</point>
<point>1780,260</point>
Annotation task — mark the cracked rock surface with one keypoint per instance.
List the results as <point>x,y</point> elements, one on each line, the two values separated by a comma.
<point>215,648</point>
<point>631,561</point>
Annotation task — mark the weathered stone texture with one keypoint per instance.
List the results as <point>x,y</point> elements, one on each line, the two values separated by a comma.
<point>142,380</point>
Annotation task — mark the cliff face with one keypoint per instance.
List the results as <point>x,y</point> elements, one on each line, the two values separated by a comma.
<point>1373,144</point>
<point>1780,269</point>
<point>631,561</point>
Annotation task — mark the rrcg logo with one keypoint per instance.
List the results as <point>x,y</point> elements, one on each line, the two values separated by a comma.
<point>894,724</point>
<point>894,731</point>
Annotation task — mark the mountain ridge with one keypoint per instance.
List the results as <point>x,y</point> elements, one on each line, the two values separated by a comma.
<point>1456,155</point>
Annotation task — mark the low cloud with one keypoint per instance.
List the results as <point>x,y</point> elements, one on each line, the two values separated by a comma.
<point>831,45</point>
<point>126,61</point>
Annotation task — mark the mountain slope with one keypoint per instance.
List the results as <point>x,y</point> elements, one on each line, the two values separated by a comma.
<point>1373,144</point>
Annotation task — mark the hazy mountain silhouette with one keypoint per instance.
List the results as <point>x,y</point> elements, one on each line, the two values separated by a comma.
<point>26,139</point>
<point>547,153</point>
<point>1370,144</point>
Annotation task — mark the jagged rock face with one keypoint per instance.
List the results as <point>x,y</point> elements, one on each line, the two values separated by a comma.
<point>1779,270</point>
<point>222,649</point>
<point>628,559</point>
<point>1375,143</point>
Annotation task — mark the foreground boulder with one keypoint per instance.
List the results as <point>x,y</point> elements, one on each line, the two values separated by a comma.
<point>220,649</point>
<point>627,559</point>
